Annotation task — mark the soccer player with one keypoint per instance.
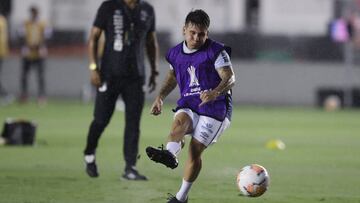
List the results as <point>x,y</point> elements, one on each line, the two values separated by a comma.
<point>129,28</point>
<point>202,69</point>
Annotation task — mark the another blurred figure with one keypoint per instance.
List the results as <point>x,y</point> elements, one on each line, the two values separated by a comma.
<point>34,34</point>
<point>5,98</point>
<point>6,8</point>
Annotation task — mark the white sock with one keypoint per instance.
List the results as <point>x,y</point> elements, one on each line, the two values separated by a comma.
<point>184,190</point>
<point>174,147</point>
<point>89,158</point>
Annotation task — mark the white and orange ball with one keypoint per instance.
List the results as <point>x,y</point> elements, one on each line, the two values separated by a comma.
<point>253,180</point>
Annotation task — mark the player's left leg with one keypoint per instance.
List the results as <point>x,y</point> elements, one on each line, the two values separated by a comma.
<point>193,163</point>
<point>206,132</point>
<point>192,169</point>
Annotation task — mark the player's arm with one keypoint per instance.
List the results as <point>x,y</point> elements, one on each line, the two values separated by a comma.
<point>227,76</point>
<point>227,80</point>
<point>168,85</point>
<point>152,49</point>
<point>95,34</point>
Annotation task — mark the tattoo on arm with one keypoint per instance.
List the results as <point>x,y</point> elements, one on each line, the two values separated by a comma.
<point>227,80</point>
<point>168,85</point>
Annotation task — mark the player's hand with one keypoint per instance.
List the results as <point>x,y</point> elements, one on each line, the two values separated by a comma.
<point>208,96</point>
<point>156,106</point>
<point>152,81</point>
<point>95,78</point>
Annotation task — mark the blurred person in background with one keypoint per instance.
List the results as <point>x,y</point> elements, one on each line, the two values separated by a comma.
<point>129,28</point>
<point>202,69</point>
<point>5,98</point>
<point>34,34</point>
<point>5,8</point>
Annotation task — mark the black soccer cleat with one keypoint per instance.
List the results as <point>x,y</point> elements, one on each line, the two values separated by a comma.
<point>172,199</point>
<point>91,169</point>
<point>133,174</point>
<point>163,156</point>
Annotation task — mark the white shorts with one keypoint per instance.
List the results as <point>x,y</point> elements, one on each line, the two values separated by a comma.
<point>207,130</point>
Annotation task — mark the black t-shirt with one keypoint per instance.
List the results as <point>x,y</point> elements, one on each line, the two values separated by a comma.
<point>125,37</point>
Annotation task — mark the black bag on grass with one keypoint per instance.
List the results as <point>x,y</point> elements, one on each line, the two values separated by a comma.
<point>18,132</point>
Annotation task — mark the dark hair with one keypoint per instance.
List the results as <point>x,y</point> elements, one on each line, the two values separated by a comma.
<point>199,18</point>
<point>34,9</point>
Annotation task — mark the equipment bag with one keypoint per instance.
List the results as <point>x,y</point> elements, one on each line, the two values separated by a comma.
<point>19,132</point>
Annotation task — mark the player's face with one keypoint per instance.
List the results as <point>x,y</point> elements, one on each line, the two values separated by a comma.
<point>195,36</point>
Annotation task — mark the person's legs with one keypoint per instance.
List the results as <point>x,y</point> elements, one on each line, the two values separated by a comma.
<point>133,97</point>
<point>26,65</point>
<point>182,125</point>
<point>2,90</point>
<point>207,131</point>
<point>192,169</point>
<point>104,108</point>
<point>41,78</point>
<point>5,97</point>
<point>193,163</point>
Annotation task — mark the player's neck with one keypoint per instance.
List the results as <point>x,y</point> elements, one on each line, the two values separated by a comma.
<point>187,50</point>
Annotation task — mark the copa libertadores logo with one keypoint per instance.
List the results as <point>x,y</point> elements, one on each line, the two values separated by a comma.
<point>193,79</point>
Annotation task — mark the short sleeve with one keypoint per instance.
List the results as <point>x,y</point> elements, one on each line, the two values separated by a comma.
<point>101,16</point>
<point>222,60</point>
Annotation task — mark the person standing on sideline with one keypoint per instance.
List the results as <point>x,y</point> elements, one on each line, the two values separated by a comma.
<point>34,34</point>
<point>202,69</point>
<point>3,53</point>
<point>129,27</point>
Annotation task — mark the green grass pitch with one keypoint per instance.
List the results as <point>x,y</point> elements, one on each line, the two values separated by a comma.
<point>321,162</point>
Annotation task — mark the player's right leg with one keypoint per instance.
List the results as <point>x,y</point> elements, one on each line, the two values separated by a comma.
<point>104,108</point>
<point>182,125</point>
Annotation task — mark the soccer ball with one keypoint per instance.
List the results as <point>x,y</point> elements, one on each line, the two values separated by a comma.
<point>253,180</point>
